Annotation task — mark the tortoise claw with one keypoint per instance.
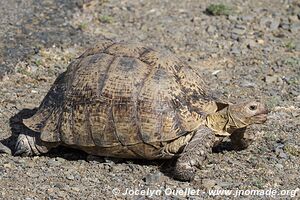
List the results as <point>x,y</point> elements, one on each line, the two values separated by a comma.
<point>22,147</point>
<point>184,172</point>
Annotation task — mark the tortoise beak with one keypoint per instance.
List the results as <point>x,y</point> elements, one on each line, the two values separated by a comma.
<point>262,116</point>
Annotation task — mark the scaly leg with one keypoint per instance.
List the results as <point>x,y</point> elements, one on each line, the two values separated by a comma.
<point>31,144</point>
<point>194,154</point>
<point>241,139</point>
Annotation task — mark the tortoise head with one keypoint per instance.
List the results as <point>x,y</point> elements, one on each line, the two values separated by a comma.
<point>246,113</point>
<point>232,117</point>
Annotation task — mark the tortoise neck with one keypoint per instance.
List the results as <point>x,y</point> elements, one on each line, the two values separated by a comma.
<point>218,121</point>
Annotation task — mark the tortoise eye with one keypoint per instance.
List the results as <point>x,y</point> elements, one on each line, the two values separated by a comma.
<point>252,107</point>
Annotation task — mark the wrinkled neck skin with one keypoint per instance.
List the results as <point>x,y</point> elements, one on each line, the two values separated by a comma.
<point>234,122</point>
<point>223,122</point>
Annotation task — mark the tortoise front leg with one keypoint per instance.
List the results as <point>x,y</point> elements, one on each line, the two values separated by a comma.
<point>194,154</point>
<point>31,144</point>
<point>242,138</point>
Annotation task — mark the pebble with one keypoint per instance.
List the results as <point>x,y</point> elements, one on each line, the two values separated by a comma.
<point>239,30</point>
<point>8,166</point>
<point>270,79</point>
<point>248,84</point>
<point>279,166</point>
<point>285,24</point>
<point>119,168</point>
<point>295,27</point>
<point>260,41</point>
<point>70,177</point>
<point>59,186</point>
<point>208,183</point>
<point>62,194</point>
<point>154,178</point>
<point>269,22</point>
<point>76,189</point>
<point>233,17</point>
<point>251,44</point>
<point>211,29</point>
<point>297,46</point>
<point>235,50</point>
<point>216,72</point>
<point>279,151</point>
<point>56,161</point>
<point>274,24</point>
<point>247,18</point>
<point>224,184</point>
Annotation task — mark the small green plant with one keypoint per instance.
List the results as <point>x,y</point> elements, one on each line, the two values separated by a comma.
<point>292,149</point>
<point>218,9</point>
<point>273,101</point>
<point>290,45</point>
<point>292,61</point>
<point>106,19</point>
<point>259,184</point>
<point>23,71</point>
<point>38,62</point>
<point>82,26</point>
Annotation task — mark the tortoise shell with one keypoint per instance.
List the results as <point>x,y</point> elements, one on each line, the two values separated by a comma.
<point>120,94</point>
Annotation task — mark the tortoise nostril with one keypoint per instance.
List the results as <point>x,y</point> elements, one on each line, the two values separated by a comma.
<point>252,107</point>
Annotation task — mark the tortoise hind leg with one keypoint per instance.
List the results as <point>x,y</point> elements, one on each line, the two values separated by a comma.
<point>194,154</point>
<point>31,144</point>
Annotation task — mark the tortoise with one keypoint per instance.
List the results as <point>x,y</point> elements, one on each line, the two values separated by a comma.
<point>126,100</point>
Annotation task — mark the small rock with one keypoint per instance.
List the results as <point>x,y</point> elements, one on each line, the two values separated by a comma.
<point>7,165</point>
<point>297,46</point>
<point>285,24</point>
<point>274,24</point>
<point>268,49</point>
<point>59,186</point>
<point>251,44</point>
<point>62,194</point>
<point>70,177</point>
<point>247,18</point>
<point>118,168</point>
<point>279,151</point>
<point>279,166</point>
<point>270,79</point>
<point>208,183</point>
<point>235,50</point>
<point>239,30</point>
<point>76,189</point>
<point>234,36</point>
<point>233,17</point>
<point>224,184</point>
<point>269,22</point>
<point>211,29</point>
<point>248,84</point>
<point>216,72</point>
<point>154,178</point>
<point>54,162</point>
<point>295,27</point>
<point>50,191</point>
<point>260,41</point>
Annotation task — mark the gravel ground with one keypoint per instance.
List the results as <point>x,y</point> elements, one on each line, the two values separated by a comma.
<point>250,51</point>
